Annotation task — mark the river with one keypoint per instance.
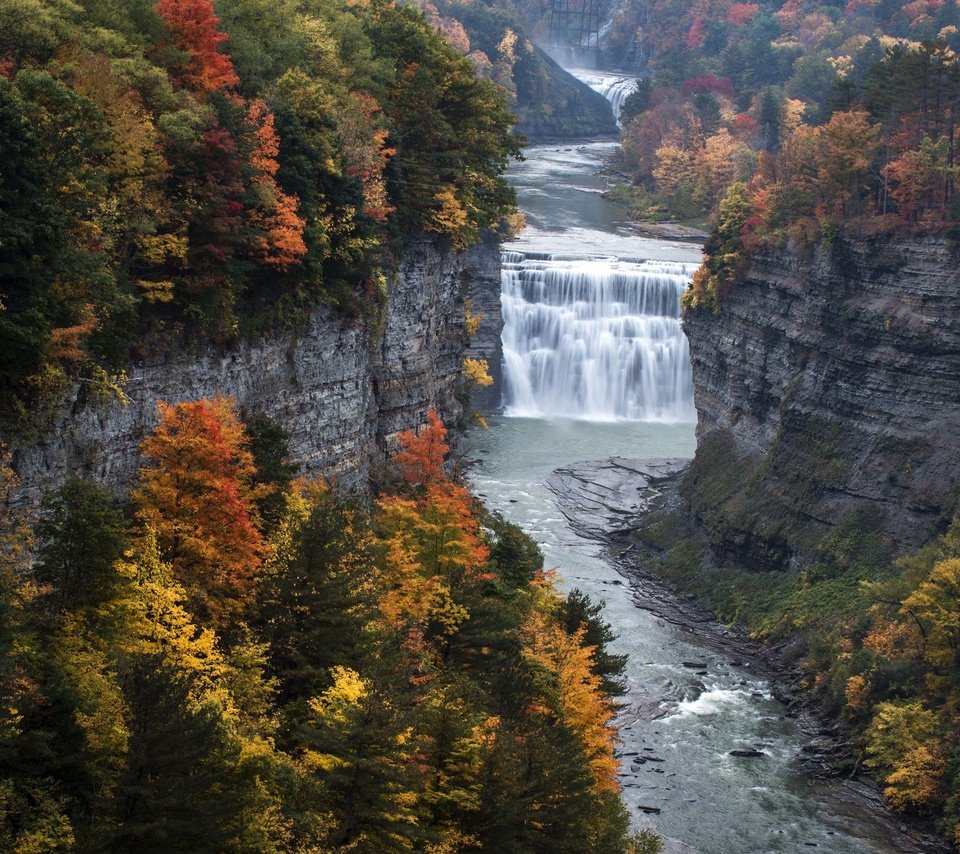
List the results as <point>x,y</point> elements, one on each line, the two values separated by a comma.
<point>587,304</point>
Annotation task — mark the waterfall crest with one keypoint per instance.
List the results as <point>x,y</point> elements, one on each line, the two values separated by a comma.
<point>615,88</point>
<point>597,338</point>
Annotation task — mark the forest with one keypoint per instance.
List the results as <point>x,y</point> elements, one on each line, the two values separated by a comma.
<point>175,174</point>
<point>793,122</point>
<point>242,661</point>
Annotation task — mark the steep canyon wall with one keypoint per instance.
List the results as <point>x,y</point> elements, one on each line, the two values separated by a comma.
<point>341,396</point>
<point>828,385</point>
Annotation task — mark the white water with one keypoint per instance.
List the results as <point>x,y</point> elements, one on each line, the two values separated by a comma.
<point>616,88</point>
<point>596,338</point>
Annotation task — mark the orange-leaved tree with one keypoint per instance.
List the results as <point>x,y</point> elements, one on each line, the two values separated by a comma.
<point>197,497</point>
<point>196,33</point>
<point>275,214</point>
<point>433,549</point>
<point>577,699</point>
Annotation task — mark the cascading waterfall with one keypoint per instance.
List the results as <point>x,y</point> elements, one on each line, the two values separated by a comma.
<point>615,88</point>
<point>596,338</point>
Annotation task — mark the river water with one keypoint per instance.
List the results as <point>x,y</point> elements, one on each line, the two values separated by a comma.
<point>580,267</point>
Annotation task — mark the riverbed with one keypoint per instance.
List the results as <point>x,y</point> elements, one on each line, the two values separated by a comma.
<point>688,704</point>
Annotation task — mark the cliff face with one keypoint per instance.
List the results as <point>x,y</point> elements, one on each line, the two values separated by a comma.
<point>485,285</point>
<point>828,385</point>
<point>341,397</point>
<point>552,104</point>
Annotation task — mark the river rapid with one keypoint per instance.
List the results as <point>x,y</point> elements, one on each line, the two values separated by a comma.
<point>573,320</point>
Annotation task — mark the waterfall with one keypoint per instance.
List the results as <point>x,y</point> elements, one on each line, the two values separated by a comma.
<point>615,88</point>
<point>597,338</point>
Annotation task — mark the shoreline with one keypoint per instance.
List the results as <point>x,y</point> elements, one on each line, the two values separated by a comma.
<point>600,499</point>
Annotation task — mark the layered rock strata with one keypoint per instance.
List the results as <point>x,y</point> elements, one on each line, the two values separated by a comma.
<point>828,385</point>
<point>342,396</point>
<point>483,260</point>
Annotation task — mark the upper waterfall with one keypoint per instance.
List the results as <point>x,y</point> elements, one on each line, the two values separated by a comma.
<point>616,88</point>
<point>594,337</point>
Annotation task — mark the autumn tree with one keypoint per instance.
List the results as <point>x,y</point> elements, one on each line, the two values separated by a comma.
<point>433,545</point>
<point>196,36</point>
<point>902,745</point>
<point>198,498</point>
<point>580,702</point>
<point>275,213</point>
<point>367,154</point>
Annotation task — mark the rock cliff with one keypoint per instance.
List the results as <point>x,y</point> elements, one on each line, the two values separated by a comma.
<point>485,285</point>
<point>341,396</point>
<point>828,385</point>
<point>552,104</point>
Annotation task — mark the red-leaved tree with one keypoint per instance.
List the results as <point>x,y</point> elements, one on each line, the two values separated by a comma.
<point>196,32</point>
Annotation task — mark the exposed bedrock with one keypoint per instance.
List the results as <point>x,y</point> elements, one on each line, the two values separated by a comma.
<point>828,385</point>
<point>342,396</point>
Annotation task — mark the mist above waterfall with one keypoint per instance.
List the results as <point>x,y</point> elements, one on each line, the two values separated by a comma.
<point>596,338</point>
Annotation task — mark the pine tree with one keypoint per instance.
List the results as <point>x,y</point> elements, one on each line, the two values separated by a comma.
<point>80,537</point>
<point>316,599</point>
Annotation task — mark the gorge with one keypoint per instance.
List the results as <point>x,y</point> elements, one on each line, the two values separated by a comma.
<point>259,258</point>
<point>689,717</point>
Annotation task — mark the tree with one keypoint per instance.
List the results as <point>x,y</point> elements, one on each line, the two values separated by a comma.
<point>902,745</point>
<point>723,251</point>
<point>275,214</point>
<point>847,147</point>
<point>357,752</point>
<point>180,789</point>
<point>33,804</point>
<point>366,152</point>
<point>196,34</point>
<point>316,599</point>
<point>80,537</point>
<point>919,179</point>
<point>579,702</point>
<point>580,614</point>
<point>422,452</point>
<point>516,557</point>
<point>637,102</point>
<point>269,446</point>
<point>197,495</point>
<point>936,604</point>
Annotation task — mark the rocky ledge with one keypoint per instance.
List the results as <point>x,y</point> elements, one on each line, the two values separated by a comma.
<point>600,497</point>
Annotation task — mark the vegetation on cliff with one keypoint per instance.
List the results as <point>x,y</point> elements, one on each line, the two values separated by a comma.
<point>212,673</point>
<point>879,643</point>
<point>832,117</point>
<point>167,167</point>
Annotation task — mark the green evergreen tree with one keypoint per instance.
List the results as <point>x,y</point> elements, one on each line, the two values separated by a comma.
<point>80,537</point>
<point>578,610</point>
<point>317,598</point>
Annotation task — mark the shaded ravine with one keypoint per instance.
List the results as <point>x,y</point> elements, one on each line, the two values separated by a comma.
<point>690,702</point>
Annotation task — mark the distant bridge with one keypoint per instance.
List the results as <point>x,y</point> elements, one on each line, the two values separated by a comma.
<point>575,24</point>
